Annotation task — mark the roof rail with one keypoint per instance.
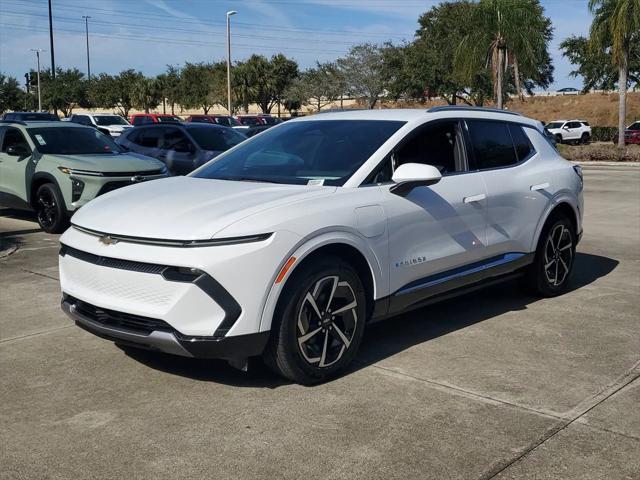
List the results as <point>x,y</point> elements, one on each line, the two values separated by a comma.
<point>19,122</point>
<point>465,108</point>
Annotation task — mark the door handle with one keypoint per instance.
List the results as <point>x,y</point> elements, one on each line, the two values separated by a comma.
<point>540,186</point>
<point>474,198</point>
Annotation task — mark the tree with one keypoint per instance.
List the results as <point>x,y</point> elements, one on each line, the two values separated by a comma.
<point>506,34</point>
<point>318,86</point>
<point>103,91</point>
<point>146,94</point>
<point>12,97</point>
<point>596,66</point>
<point>363,70</point>
<point>66,92</point>
<point>202,85</point>
<point>615,28</point>
<point>169,84</point>
<point>124,85</point>
<point>283,72</point>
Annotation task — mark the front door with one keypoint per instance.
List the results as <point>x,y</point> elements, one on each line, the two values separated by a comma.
<point>13,168</point>
<point>434,231</point>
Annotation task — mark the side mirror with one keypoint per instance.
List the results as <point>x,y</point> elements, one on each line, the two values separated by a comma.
<point>411,175</point>
<point>17,151</point>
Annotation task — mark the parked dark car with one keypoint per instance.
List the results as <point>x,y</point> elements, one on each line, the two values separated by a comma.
<point>182,147</point>
<point>224,120</point>
<point>251,131</point>
<point>31,117</point>
<point>146,118</point>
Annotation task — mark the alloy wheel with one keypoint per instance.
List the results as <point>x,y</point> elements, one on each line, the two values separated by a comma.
<point>558,255</point>
<point>46,208</point>
<point>327,321</point>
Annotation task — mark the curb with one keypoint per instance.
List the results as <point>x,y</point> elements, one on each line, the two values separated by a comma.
<point>608,164</point>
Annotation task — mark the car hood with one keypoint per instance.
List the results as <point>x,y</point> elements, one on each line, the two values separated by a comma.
<point>106,163</point>
<point>186,208</point>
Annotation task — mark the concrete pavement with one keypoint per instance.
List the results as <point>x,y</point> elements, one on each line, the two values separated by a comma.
<point>491,385</point>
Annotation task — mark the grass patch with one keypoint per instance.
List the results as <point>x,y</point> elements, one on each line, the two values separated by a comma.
<point>599,152</point>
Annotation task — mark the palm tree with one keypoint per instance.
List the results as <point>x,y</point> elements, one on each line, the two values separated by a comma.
<point>615,24</point>
<point>506,33</point>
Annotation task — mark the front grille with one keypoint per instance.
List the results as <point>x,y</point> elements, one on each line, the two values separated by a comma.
<point>121,320</point>
<point>111,186</point>
<point>148,173</point>
<point>112,262</point>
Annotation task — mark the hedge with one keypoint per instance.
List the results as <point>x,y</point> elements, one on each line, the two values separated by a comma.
<point>603,134</point>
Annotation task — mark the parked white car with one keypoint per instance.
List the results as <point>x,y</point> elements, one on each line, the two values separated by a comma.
<point>290,243</point>
<point>112,125</point>
<point>567,131</point>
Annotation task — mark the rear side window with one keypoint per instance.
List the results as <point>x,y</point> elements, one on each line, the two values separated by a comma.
<point>521,141</point>
<point>492,144</point>
<point>149,137</point>
<point>141,120</point>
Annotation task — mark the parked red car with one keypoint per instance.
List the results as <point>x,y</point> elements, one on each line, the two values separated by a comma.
<point>632,133</point>
<point>224,120</point>
<point>145,118</point>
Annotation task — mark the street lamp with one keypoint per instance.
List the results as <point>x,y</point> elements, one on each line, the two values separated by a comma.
<point>229,14</point>
<point>86,27</point>
<point>38,50</point>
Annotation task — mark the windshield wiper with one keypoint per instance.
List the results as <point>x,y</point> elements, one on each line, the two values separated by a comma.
<point>249,179</point>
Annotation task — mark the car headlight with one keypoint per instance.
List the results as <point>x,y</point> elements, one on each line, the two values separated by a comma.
<point>72,171</point>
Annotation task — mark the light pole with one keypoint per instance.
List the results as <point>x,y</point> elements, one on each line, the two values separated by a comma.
<point>38,50</point>
<point>86,29</point>
<point>229,14</point>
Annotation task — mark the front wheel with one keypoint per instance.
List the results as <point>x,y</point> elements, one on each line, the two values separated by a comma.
<point>549,273</point>
<point>49,207</point>
<point>585,138</point>
<point>319,322</point>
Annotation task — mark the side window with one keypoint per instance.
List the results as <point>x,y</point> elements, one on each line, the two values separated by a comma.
<point>440,145</point>
<point>492,144</point>
<point>175,139</point>
<point>573,125</point>
<point>148,137</point>
<point>141,120</point>
<point>13,138</point>
<point>521,141</point>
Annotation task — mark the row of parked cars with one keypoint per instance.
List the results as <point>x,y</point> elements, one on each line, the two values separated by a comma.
<point>55,167</point>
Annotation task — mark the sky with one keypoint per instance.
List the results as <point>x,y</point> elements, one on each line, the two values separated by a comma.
<point>148,35</point>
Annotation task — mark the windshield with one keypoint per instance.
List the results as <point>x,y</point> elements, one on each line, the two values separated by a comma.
<point>251,121</point>
<point>270,120</point>
<point>35,117</point>
<point>72,141</point>
<point>216,138</point>
<point>553,125</point>
<point>168,119</point>
<point>326,152</point>
<point>634,126</point>
<point>110,120</point>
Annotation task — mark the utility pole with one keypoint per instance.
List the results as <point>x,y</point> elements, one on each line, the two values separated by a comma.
<point>86,29</point>
<point>38,50</point>
<point>229,14</point>
<point>53,58</point>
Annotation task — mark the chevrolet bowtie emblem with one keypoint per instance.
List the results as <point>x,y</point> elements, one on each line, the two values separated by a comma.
<point>137,178</point>
<point>107,240</point>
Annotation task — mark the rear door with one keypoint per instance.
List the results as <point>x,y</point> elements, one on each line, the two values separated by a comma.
<point>146,141</point>
<point>517,186</point>
<point>573,131</point>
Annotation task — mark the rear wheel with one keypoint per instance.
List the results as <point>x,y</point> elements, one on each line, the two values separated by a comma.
<point>584,139</point>
<point>549,274</point>
<point>319,322</point>
<point>50,210</point>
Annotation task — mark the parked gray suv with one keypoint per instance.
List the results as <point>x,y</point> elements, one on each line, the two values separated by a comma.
<point>182,147</point>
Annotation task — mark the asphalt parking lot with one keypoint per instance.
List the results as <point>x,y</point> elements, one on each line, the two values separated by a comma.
<point>491,385</point>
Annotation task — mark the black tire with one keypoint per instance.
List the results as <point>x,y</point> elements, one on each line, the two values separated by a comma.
<point>550,271</point>
<point>585,138</point>
<point>336,338</point>
<point>50,210</point>
<point>558,138</point>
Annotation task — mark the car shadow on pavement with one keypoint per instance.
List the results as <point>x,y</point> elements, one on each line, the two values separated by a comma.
<point>391,336</point>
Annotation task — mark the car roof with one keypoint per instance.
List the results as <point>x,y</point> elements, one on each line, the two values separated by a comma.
<point>417,114</point>
<point>51,124</point>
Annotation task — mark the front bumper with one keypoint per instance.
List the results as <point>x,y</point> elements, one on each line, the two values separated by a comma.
<point>114,326</point>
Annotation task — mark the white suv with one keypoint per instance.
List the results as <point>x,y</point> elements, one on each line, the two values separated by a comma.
<point>112,125</point>
<point>290,243</point>
<point>567,131</point>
